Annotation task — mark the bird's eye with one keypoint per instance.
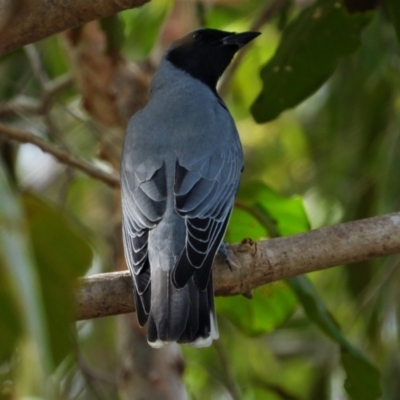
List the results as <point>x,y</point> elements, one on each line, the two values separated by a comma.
<point>197,36</point>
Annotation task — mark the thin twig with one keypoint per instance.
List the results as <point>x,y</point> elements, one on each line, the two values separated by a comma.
<point>36,64</point>
<point>270,11</point>
<point>30,105</point>
<point>53,88</point>
<point>20,103</point>
<point>61,155</point>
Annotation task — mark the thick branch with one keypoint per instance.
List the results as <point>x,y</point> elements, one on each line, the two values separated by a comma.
<point>258,263</point>
<point>61,155</point>
<point>27,21</point>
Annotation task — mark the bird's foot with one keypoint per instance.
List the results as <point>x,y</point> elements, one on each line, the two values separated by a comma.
<point>223,252</point>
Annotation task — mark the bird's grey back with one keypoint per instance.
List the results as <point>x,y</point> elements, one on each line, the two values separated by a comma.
<point>184,127</point>
<point>182,114</point>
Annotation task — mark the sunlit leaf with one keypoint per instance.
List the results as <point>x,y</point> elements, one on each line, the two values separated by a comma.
<point>285,215</point>
<point>271,306</point>
<point>309,52</point>
<point>62,256</point>
<point>244,225</point>
<point>362,378</point>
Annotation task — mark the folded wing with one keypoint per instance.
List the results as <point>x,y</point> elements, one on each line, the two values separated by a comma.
<point>144,195</point>
<point>204,196</point>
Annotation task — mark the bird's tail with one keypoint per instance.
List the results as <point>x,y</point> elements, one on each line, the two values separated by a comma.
<point>183,315</point>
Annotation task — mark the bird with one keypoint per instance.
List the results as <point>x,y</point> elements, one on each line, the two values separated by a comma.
<point>180,170</point>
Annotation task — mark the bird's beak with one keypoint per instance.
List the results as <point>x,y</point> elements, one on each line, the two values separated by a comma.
<point>240,39</point>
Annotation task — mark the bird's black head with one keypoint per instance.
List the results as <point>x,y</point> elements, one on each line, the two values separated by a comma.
<point>205,53</point>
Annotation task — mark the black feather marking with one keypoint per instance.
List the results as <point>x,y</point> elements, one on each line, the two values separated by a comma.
<point>140,312</point>
<point>197,244</point>
<point>142,279</point>
<point>199,234</point>
<point>180,174</point>
<point>204,315</point>
<point>134,260</point>
<point>182,272</point>
<point>195,257</point>
<point>202,275</point>
<point>192,324</point>
<point>173,321</point>
<point>138,257</point>
<point>140,241</point>
<point>146,300</point>
<point>200,224</point>
<point>152,333</point>
<point>197,250</point>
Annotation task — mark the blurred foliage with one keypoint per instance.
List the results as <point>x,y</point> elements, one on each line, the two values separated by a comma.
<point>308,53</point>
<point>333,158</point>
<point>51,233</point>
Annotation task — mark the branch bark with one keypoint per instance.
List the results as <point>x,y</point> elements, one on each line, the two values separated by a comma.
<point>258,263</point>
<point>27,21</point>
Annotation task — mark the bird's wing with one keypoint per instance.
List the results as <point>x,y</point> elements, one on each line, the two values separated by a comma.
<point>204,196</point>
<point>144,193</point>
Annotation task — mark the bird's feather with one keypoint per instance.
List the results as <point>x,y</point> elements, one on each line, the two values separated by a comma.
<point>206,216</point>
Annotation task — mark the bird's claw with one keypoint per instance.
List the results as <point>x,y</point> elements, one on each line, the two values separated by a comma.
<point>223,252</point>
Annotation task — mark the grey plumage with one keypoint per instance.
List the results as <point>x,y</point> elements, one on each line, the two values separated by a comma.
<point>180,172</point>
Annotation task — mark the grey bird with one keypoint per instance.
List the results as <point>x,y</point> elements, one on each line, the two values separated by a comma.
<point>180,171</point>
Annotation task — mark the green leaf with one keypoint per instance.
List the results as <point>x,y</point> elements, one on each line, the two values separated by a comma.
<point>21,302</point>
<point>62,256</point>
<point>393,7</point>
<point>362,378</point>
<point>280,214</point>
<point>271,306</point>
<point>259,211</point>
<point>148,18</point>
<point>315,308</point>
<point>309,52</point>
<point>244,225</point>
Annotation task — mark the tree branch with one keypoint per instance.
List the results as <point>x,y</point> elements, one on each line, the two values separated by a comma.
<point>27,21</point>
<point>61,155</point>
<point>258,263</point>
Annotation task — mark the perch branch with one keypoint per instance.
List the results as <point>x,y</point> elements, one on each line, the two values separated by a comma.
<point>258,263</point>
<point>61,155</point>
<point>27,21</point>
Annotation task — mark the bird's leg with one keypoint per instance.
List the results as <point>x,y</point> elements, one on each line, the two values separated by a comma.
<point>223,252</point>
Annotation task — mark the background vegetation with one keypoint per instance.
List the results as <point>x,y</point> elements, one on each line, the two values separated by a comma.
<point>316,99</point>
